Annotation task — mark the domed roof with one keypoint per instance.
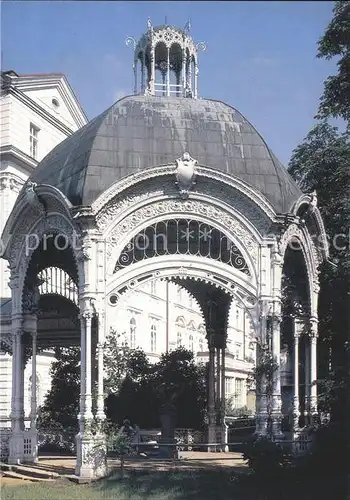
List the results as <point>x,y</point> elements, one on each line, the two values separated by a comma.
<point>140,131</point>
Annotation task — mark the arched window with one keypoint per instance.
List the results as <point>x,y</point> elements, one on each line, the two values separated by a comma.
<point>153,338</point>
<point>132,337</point>
<point>190,342</point>
<point>179,339</point>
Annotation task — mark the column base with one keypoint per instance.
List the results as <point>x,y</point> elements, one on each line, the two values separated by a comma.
<point>16,448</point>
<point>30,446</point>
<point>91,456</point>
<point>218,435</point>
<point>276,427</point>
<point>261,429</point>
<point>212,438</point>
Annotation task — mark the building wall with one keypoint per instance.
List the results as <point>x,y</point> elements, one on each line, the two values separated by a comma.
<point>44,362</point>
<point>21,116</point>
<point>143,313</point>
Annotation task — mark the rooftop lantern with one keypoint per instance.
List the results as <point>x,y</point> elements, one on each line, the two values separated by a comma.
<point>166,61</point>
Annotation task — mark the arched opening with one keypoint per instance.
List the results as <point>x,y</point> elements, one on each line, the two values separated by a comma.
<point>295,340</point>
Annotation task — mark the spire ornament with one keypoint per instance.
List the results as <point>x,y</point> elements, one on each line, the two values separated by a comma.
<point>185,174</point>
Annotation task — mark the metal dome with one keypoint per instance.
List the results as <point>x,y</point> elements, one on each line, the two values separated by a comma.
<point>143,131</point>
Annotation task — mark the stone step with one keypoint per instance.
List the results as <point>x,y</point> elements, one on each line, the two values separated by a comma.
<point>28,470</point>
<point>16,475</point>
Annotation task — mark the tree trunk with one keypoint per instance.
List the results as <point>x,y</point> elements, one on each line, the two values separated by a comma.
<point>122,466</point>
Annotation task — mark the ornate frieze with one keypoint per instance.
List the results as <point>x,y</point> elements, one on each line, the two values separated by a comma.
<point>158,181</point>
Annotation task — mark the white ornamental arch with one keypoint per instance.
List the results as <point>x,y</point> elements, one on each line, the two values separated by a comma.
<point>181,267</point>
<point>227,221</point>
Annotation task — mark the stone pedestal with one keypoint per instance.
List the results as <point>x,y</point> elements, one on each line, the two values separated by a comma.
<point>167,419</point>
<point>91,456</point>
<point>30,445</point>
<point>16,448</point>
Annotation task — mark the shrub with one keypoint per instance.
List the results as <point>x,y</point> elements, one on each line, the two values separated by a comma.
<point>264,456</point>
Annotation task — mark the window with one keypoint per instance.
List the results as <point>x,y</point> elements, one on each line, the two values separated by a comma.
<point>239,392</point>
<point>132,338</point>
<point>153,338</point>
<point>228,386</point>
<point>190,342</point>
<point>33,137</point>
<point>179,339</point>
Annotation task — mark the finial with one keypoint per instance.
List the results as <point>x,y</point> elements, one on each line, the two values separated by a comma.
<point>187,26</point>
<point>166,21</point>
<point>149,23</point>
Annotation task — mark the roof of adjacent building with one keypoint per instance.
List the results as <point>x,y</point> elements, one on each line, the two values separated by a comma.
<point>139,132</point>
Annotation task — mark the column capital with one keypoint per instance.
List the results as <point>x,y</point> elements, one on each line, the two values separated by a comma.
<point>17,333</point>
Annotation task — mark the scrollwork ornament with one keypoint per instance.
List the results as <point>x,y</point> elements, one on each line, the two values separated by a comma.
<point>130,42</point>
<point>201,46</point>
<point>193,207</point>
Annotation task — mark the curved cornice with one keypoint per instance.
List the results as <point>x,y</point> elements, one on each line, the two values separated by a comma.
<point>201,171</point>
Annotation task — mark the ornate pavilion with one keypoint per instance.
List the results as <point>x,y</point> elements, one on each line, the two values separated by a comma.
<point>165,185</point>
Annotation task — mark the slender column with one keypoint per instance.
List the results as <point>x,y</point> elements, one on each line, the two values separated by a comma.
<point>307,380</point>
<point>17,363</point>
<point>184,72</point>
<point>16,444</point>
<point>190,75</point>
<point>153,70</point>
<point>224,435</point>
<point>218,384</point>
<point>82,373</point>
<point>168,72</point>
<point>100,397</point>
<point>135,76</point>
<point>261,385</point>
<point>88,395</point>
<point>313,368</point>
<point>211,391</point>
<point>143,73</point>
<point>296,411</point>
<point>276,381</point>
<point>33,406</point>
<point>195,80</point>
<point>211,394</point>
<point>223,395</point>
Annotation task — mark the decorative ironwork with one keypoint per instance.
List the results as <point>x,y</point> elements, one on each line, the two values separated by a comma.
<point>184,237</point>
<point>130,42</point>
<point>56,281</point>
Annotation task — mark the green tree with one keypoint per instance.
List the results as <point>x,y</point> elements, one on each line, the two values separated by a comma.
<point>180,380</point>
<point>335,101</point>
<point>120,361</point>
<point>61,405</point>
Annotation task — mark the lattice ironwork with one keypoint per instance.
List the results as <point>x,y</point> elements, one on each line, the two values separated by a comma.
<point>56,281</point>
<point>184,237</point>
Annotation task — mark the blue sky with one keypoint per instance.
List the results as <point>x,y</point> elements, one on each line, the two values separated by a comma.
<point>260,58</point>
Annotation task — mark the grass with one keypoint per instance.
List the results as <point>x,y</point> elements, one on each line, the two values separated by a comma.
<point>175,485</point>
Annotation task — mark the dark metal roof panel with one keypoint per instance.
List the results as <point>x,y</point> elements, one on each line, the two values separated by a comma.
<point>144,131</point>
